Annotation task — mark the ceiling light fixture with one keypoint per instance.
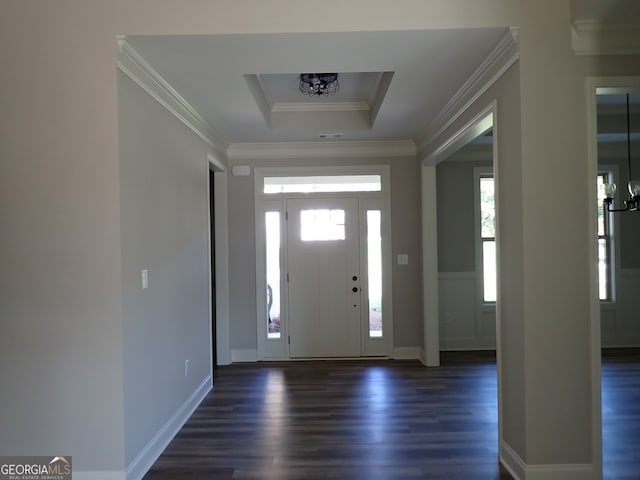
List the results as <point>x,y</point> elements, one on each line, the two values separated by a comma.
<point>633,203</point>
<point>317,84</point>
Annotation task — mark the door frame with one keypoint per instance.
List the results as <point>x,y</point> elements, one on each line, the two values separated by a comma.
<point>221,229</point>
<point>278,349</point>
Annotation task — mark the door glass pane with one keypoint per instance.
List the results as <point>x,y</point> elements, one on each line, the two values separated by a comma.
<point>322,225</point>
<point>489,270</point>
<point>272,242</point>
<point>374,272</point>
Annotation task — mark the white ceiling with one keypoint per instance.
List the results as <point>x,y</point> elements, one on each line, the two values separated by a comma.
<point>211,73</point>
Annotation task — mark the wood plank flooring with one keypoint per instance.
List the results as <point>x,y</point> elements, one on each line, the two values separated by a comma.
<point>372,420</point>
<point>621,414</point>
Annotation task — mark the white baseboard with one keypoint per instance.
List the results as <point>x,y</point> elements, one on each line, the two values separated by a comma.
<point>99,475</point>
<point>150,453</point>
<point>512,462</point>
<point>519,470</point>
<point>244,355</point>
<point>406,353</point>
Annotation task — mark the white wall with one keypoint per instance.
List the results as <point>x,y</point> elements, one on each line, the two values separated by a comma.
<point>165,230</point>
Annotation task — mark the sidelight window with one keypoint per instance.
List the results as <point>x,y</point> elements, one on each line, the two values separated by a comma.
<point>272,244</point>
<point>374,271</point>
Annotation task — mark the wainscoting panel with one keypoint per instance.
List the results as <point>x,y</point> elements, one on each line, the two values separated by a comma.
<point>465,322</point>
<point>488,325</point>
<point>620,320</point>
<point>629,322</point>
<point>608,327</point>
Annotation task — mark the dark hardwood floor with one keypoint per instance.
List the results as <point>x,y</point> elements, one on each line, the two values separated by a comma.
<point>621,414</point>
<point>373,420</point>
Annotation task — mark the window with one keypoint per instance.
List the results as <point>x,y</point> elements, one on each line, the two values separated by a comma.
<point>488,237</point>
<point>323,184</point>
<point>322,225</point>
<point>374,272</point>
<point>272,246</point>
<point>605,290</point>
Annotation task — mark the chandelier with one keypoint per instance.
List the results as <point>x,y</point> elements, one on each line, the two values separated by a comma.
<point>319,83</point>
<point>632,204</point>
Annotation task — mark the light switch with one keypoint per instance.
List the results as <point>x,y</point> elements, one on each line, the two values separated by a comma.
<point>144,278</point>
<point>403,259</point>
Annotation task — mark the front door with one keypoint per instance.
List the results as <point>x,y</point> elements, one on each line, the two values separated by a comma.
<point>324,277</point>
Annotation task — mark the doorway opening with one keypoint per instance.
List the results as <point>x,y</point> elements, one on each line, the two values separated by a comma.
<point>212,245</point>
<point>460,201</point>
<point>613,109</point>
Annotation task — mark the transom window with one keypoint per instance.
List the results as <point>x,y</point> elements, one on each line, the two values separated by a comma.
<point>323,184</point>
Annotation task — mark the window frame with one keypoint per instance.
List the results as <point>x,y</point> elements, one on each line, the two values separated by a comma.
<point>480,173</point>
<point>609,175</point>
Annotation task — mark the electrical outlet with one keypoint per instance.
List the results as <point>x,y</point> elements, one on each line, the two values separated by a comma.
<point>186,368</point>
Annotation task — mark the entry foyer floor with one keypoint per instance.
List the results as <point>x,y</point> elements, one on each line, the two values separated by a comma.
<point>373,420</point>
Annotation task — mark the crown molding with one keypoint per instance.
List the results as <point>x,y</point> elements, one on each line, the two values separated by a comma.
<point>501,58</point>
<point>328,149</point>
<point>606,38</point>
<point>320,107</point>
<point>133,65</point>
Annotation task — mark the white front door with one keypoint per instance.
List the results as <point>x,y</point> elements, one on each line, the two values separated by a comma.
<point>324,277</point>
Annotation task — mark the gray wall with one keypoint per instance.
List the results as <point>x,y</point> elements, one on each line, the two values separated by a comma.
<point>165,229</point>
<point>456,222</point>
<point>405,239</point>
<point>61,364</point>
